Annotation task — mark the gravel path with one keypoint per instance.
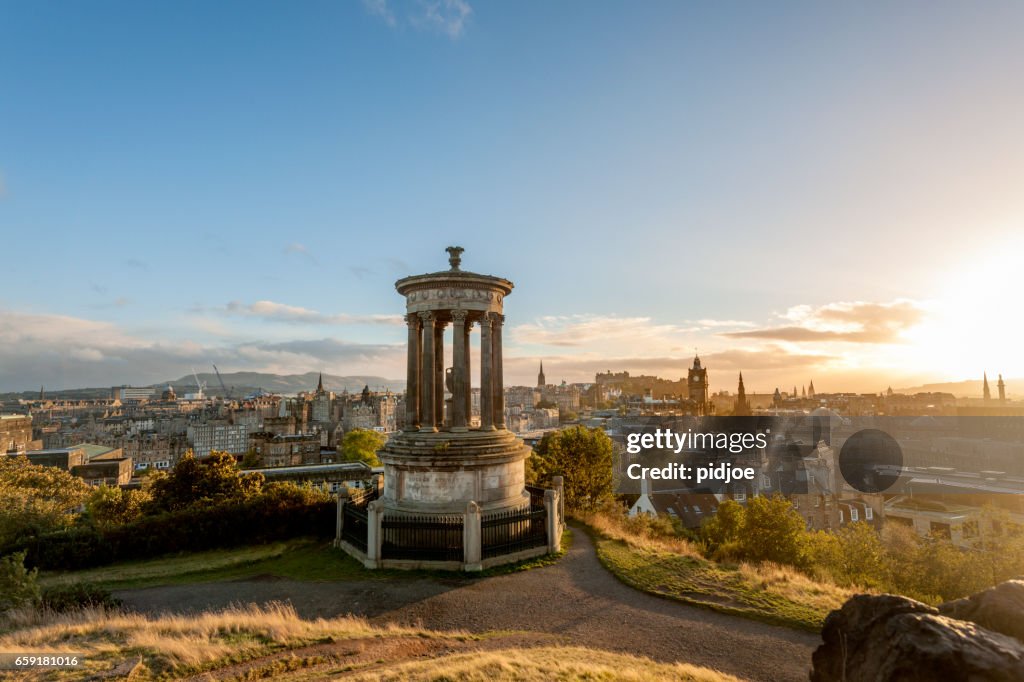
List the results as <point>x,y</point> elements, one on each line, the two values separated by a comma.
<point>576,601</point>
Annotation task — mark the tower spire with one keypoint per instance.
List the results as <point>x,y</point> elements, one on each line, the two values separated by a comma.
<point>1002,389</point>
<point>320,384</point>
<point>541,381</point>
<point>986,393</point>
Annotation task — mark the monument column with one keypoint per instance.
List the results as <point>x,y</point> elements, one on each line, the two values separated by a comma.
<point>439,373</point>
<point>486,376</point>
<point>458,416</point>
<point>467,375</point>
<point>426,383</point>
<point>412,378</point>
<point>498,400</point>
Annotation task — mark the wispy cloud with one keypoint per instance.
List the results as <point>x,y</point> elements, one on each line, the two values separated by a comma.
<point>61,351</point>
<point>381,9</point>
<point>302,250</point>
<point>585,330</point>
<point>136,263</point>
<point>851,322</point>
<point>282,312</point>
<point>445,17</point>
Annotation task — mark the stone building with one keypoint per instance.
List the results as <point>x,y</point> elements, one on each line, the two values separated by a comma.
<point>16,434</point>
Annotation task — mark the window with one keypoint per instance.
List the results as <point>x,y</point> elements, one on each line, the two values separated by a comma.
<point>853,514</point>
<point>869,513</point>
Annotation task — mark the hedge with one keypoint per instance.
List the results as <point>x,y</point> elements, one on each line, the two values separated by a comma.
<point>253,521</point>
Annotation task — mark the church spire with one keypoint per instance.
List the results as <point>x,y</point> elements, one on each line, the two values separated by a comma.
<point>320,384</point>
<point>985,391</point>
<point>541,381</point>
<point>1002,389</point>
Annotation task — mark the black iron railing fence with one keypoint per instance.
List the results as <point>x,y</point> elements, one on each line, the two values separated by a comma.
<point>423,538</point>
<point>536,495</point>
<point>362,497</point>
<point>354,527</point>
<point>513,531</point>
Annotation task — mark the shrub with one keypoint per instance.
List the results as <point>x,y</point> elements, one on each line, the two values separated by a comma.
<point>76,596</point>
<point>281,511</point>
<point>583,457</point>
<point>18,586</point>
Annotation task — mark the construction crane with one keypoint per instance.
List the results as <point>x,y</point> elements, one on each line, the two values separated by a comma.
<point>200,386</point>
<point>227,393</point>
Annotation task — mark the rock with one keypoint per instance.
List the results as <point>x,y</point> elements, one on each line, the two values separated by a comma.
<point>999,608</point>
<point>876,638</point>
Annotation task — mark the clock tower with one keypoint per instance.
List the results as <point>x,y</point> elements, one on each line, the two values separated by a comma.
<point>697,384</point>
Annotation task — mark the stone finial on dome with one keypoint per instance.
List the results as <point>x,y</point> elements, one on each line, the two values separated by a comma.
<point>455,257</point>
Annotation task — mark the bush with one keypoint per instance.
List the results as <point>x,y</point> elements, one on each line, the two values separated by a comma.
<point>583,458</point>
<point>18,586</point>
<point>77,596</point>
<point>280,512</point>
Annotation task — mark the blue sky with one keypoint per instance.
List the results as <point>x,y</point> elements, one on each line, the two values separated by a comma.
<point>797,189</point>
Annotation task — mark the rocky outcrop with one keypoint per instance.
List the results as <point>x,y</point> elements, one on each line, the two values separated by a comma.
<point>999,608</point>
<point>878,638</point>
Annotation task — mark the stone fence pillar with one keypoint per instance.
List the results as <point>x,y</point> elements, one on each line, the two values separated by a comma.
<point>374,514</point>
<point>472,539</point>
<point>553,526</point>
<point>559,484</point>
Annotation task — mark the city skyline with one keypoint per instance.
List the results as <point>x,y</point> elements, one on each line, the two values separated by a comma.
<point>751,185</point>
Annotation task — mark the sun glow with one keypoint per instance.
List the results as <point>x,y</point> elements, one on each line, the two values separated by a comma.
<point>973,325</point>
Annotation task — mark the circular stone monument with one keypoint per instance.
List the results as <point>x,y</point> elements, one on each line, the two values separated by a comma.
<point>441,461</point>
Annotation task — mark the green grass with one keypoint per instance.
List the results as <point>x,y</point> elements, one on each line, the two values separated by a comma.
<point>777,599</point>
<point>303,559</point>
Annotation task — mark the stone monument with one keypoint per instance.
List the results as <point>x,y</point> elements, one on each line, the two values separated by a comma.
<point>439,463</point>
<point>454,493</point>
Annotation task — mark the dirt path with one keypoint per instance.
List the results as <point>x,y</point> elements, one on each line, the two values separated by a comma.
<point>576,600</point>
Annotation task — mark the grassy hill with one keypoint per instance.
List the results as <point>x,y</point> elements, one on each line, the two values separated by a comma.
<point>274,642</point>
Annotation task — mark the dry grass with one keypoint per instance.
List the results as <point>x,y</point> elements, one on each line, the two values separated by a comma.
<point>640,532</point>
<point>542,664</point>
<point>643,553</point>
<point>790,583</point>
<point>174,644</point>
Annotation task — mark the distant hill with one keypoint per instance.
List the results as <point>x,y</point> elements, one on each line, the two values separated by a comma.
<point>969,389</point>
<point>239,383</point>
<point>244,383</point>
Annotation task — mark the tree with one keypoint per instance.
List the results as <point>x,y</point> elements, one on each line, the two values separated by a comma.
<point>545,405</point>
<point>361,445</point>
<point>36,499</point>
<point>583,458</point>
<point>211,480</point>
<point>773,531</point>
<point>725,526</point>
<point>18,586</point>
<point>111,506</point>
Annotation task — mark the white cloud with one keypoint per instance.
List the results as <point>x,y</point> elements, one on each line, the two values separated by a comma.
<point>446,17</point>
<point>282,312</point>
<point>381,9</point>
<point>60,351</point>
<point>851,322</point>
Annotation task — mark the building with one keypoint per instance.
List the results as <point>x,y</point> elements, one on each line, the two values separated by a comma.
<point>275,450</point>
<point>741,408</point>
<point>129,394</point>
<point>16,434</point>
<point>218,435</point>
<point>697,387</point>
